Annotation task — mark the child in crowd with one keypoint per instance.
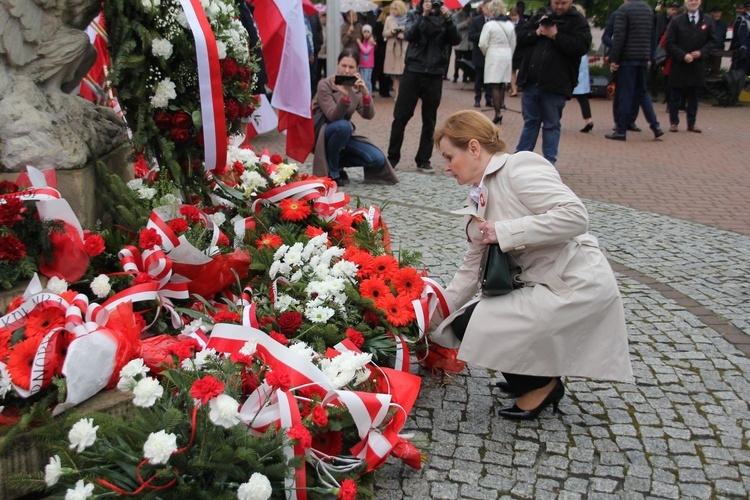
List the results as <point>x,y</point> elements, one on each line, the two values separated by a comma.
<point>366,56</point>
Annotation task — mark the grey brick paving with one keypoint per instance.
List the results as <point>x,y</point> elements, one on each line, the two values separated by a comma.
<point>680,430</point>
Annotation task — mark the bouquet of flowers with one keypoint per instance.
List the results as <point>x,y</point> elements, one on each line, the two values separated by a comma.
<point>155,72</point>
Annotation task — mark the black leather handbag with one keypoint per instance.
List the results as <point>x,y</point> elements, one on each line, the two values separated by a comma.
<point>499,272</point>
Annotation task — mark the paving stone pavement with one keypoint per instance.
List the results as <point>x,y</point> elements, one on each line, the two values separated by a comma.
<point>680,430</point>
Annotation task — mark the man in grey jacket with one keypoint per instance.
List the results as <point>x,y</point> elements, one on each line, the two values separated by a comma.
<point>629,56</point>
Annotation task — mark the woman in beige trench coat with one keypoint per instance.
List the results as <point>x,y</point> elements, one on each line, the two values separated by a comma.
<point>568,319</point>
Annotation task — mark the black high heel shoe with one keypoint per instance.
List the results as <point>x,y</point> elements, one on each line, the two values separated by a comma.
<point>588,128</point>
<point>553,398</point>
<point>498,119</point>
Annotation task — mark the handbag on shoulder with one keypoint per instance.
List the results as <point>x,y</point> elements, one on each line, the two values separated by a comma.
<point>499,272</point>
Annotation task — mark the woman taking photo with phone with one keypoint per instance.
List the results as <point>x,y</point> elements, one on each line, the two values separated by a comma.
<point>336,145</point>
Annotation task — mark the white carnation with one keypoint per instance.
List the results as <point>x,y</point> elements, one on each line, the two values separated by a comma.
<point>249,348</point>
<point>57,285</point>
<point>161,48</point>
<point>146,392</point>
<point>165,91</point>
<point>169,199</point>
<point>224,411</point>
<point>218,218</point>
<point>182,19</point>
<point>100,286</point>
<point>257,488</point>
<point>134,368</point>
<point>135,184</point>
<point>221,48</point>
<point>159,447</point>
<point>252,180</point>
<point>82,434</point>
<point>149,5</point>
<point>82,491</point>
<point>53,471</point>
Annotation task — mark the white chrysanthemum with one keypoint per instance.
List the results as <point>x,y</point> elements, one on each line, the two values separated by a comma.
<point>296,277</point>
<point>245,156</point>
<point>221,48</point>
<point>284,302</point>
<point>303,349</point>
<point>169,199</point>
<point>273,271</point>
<point>53,471</point>
<point>149,5</point>
<point>82,491</point>
<point>200,359</point>
<point>100,286</point>
<point>161,48</point>
<point>362,376</point>
<point>5,381</point>
<point>165,91</point>
<point>281,252</point>
<point>197,324</point>
<point>135,184</point>
<point>284,172</point>
<point>159,447</point>
<point>224,411</point>
<point>218,218</point>
<point>213,10</point>
<point>319,314</point>
<point>82,434</point>
<point>57,285</point>
<point>252,180</point>
<point>293,257</point>
<point>344,269</point>
<point>319,241</point>
<point>146,392</point>
<point>249,348</point>
<point>257,488</point>
<point>345,367</point>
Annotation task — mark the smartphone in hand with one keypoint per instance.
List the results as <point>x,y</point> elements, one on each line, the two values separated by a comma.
<point>345,80</point>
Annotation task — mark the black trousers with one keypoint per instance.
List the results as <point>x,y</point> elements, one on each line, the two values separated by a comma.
<point>412,88</point>
<point>479,85</point>
<point>691,95</point>
<point>520,384</point>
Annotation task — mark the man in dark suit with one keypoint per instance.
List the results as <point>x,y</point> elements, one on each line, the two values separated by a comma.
<point>720,28</point>
<point>477,58</point>
<point>690,40</point>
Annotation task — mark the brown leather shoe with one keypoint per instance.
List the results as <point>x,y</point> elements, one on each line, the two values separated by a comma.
<point>673,128</point>
<point>693,128</point>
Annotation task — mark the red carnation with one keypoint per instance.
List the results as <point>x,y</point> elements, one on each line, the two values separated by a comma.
<point>11,211</point>
<point>179,135</point>
<point>178,225</point>
<point>223,240</point>
<point>300,433</point>
<point>238,357</point>
<point>289,322</point>
<point>206,388</point>
<point>348,490</point>
<point>238,168</point>
<point>227,317</point>
<point>11,248</point>
<point>142,278</point>
<point>355,336</point>
<point>228,67</point>
<point>163,120</point>
<point>276,159</point>
<point>148,239</point>
<point>279,337</point>
<point>190,213</point>
<point>279,379</point>
<point>231,109</point>
<point>93,244</point>
<point>182,120</point>
<point>320,416</point>
<point>184,348</point>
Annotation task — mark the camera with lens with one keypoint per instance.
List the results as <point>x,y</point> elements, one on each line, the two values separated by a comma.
<point>436,6</point>
<point>544,17</point>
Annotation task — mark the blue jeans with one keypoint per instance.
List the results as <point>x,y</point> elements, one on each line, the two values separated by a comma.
<point>366,74</point>
<point>541,109</point>
<point>631,91</point>
<point>342,150</point>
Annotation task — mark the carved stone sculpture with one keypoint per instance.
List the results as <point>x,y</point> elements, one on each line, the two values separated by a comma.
<point>44,54</point>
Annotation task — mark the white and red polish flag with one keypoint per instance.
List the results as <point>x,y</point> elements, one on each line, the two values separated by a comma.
<point>455,4</point>
<point>281,27</point>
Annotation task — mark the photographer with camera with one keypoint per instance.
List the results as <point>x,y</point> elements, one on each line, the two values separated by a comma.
<point>554,40</point>
<point>431,32</point>
<point>336,145</point>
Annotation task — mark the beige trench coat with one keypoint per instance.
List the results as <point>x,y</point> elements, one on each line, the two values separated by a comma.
<point>328,100</point>
<point>569,318</point>
<point>395,48</point>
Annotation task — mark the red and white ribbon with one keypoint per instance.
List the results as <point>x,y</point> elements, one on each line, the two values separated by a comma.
<point>210,86</point>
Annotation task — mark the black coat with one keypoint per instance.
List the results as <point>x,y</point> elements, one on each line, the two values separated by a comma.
<point>683,38</point>
<point>429,38</point>
<point>631,38</point>
<point>475,31</point>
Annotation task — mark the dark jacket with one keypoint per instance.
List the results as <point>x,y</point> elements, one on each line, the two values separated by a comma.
<point>475,31</point>
<point>553,64</point>
<point>720,29</point>
<point>631,40</point>
<point>683,38</point>
<point>429,38</point>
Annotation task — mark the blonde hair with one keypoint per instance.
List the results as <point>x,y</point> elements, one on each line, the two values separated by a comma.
<point>400,7</point>
<point>463,126</point>
<point>496,7</point>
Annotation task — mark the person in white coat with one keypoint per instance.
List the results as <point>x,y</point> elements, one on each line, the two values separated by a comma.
<point>568,318</point>
<point>497,42</point>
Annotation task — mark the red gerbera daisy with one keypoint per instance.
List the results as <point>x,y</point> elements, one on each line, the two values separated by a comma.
<point>22,358</point>
<point>398,310</point>
<point>269,241</point>
<point>385,266</point>
<point>373,288</point>
<point>42,319</point>
<point>206,388</point>
<point>362,259</point>
<point>312,231</point>
<point>5,335</point>
<point>294,210</point>
<point>331,443</point>
<point>408,283</point>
